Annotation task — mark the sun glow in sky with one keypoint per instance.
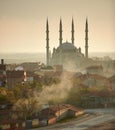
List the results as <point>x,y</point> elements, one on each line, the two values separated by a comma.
<point>23,24</point>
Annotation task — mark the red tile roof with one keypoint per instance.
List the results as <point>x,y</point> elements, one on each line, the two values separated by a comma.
<point>51,111</point>
<point>15,129</point>
<point>95,67</point>
<point>94,76</point>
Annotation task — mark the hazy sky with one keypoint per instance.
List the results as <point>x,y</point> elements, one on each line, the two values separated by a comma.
<point>23,22</point>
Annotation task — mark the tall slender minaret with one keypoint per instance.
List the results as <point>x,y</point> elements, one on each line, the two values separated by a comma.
<point>47,43</point>
<point>72,32</point>
<point>86,39</point>
<point>60,32</point>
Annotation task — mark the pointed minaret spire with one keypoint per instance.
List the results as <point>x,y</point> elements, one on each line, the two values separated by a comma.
<point>72,32</point>
<point>47,43</point>
<point>47,25</point>
<point>86,38</point>
<point>60,32</point>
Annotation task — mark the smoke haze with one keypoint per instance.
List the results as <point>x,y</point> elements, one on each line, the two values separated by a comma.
<point>56,93</point>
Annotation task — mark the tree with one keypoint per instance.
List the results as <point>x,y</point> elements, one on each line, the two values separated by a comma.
<point>75,96</point>
<point>25,108</point>
<point>4,99</point>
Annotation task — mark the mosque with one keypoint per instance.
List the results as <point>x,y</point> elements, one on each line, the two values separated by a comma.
<point>66,54</point>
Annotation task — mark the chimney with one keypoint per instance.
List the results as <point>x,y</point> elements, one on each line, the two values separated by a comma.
<point>2,61</point>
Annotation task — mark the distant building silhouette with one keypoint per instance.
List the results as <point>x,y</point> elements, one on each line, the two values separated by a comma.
<point>2,73</point>
<point>66,54</point>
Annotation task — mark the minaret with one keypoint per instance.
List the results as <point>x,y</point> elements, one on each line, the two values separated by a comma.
<point>47,43</point>
<point>86,39</point>
<point>72,32</point>
<point>60,32</point>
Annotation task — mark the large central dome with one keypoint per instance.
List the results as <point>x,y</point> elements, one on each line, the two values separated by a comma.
<point>67,46</point>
